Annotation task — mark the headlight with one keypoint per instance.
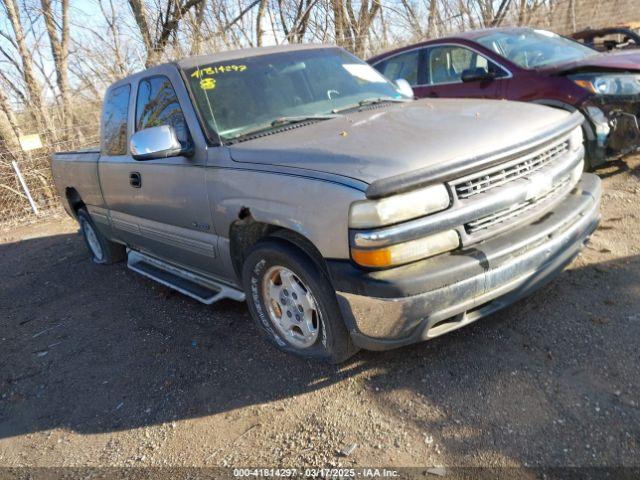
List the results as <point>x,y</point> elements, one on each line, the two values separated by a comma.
<point>407,252</point>
<point>576,139</point>
<point>609,84</point>
<point>398,208</point>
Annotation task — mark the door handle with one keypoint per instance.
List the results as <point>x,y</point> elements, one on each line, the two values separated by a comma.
<point>433,95</point>
<point>135,179</point>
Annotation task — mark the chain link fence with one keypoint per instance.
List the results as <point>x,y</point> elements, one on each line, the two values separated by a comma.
<point>27,191</point>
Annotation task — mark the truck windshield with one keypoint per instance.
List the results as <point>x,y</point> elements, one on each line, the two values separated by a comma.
<point>247,95</point>
<point>535,48</point>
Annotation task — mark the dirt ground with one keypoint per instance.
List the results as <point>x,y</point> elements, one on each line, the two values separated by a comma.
<point>101,367</point>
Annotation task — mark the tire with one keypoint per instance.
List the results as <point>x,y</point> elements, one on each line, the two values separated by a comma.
<point>305,321</point>
<point>101,249</point>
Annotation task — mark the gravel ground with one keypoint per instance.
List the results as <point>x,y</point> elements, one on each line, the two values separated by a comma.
<point>101,367</point>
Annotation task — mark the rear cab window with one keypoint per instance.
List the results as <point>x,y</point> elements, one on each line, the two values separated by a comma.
<point>114,121</point>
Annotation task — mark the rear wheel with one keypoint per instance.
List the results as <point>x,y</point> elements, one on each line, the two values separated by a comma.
<point>102,250</point>
<point>293,303</point>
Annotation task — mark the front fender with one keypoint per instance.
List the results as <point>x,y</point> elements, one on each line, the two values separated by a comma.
<point>314,208</point>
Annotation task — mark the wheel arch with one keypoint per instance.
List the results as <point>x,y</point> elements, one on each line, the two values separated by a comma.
<point>246,232</point>
<point>74,200</point>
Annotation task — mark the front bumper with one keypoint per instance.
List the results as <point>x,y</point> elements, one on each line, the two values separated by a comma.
<point>408,304</point>
<point>612,127</point>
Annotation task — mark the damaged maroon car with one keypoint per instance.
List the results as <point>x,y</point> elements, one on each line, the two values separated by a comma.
<point>534,66</point>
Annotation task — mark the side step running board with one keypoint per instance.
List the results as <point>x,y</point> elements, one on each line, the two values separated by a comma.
<point>195,286</point>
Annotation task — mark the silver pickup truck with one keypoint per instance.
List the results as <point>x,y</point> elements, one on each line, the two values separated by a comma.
<point>346,214</point>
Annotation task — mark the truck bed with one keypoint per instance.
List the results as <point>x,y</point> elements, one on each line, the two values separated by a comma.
<point>80,169</point>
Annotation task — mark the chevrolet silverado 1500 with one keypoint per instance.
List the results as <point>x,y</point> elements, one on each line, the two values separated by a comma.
<point>346,214</point>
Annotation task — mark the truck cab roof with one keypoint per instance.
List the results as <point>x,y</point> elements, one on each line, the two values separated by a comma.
<point>190,62</point>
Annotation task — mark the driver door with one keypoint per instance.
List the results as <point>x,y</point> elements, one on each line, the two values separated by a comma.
<point>160,206</point>
<point>444,66</point>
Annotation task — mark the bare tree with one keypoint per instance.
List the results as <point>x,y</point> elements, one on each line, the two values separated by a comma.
<point>195,22</point>
<point>294,18</point>
<point>433,19</point>
<point>165,20</point>
<point>351,29</point>
<point>58,31</point>
<point>259,19</point>
<point>501,13</point>
<point>5,108</point>
<point>25,65</point>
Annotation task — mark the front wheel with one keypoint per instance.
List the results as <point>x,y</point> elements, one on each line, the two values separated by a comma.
<point>293,303</point>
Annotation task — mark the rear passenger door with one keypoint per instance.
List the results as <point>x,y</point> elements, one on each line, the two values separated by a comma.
<point>113,145</point>
<point>160,206</point>
<point>443,69</point>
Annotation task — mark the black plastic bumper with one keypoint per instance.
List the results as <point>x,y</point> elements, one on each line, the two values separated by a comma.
<point>391,308</point>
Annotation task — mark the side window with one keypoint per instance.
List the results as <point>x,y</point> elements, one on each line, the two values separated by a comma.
<point>404,65</point>
<point>446,64</point>
<point>114,121</point>
<point>157,104</point>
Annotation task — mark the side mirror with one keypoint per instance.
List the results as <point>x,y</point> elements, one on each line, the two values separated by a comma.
<point>477,75</point>
<point>403,87</point>
<point>156,142</point>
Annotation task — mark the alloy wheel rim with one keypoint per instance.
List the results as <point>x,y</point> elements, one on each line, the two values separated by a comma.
<point>292,308</point>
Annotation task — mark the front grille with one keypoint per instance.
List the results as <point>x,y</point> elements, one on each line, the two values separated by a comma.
<point>502,174</point>
<point>502,216</point>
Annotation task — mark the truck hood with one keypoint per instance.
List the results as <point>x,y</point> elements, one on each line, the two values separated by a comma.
<point>612,61</point>
<point>425,136</point>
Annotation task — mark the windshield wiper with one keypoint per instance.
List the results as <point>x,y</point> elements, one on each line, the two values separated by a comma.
<point>279,122</point>
<point>301,118</point>
<point>373,101</point>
